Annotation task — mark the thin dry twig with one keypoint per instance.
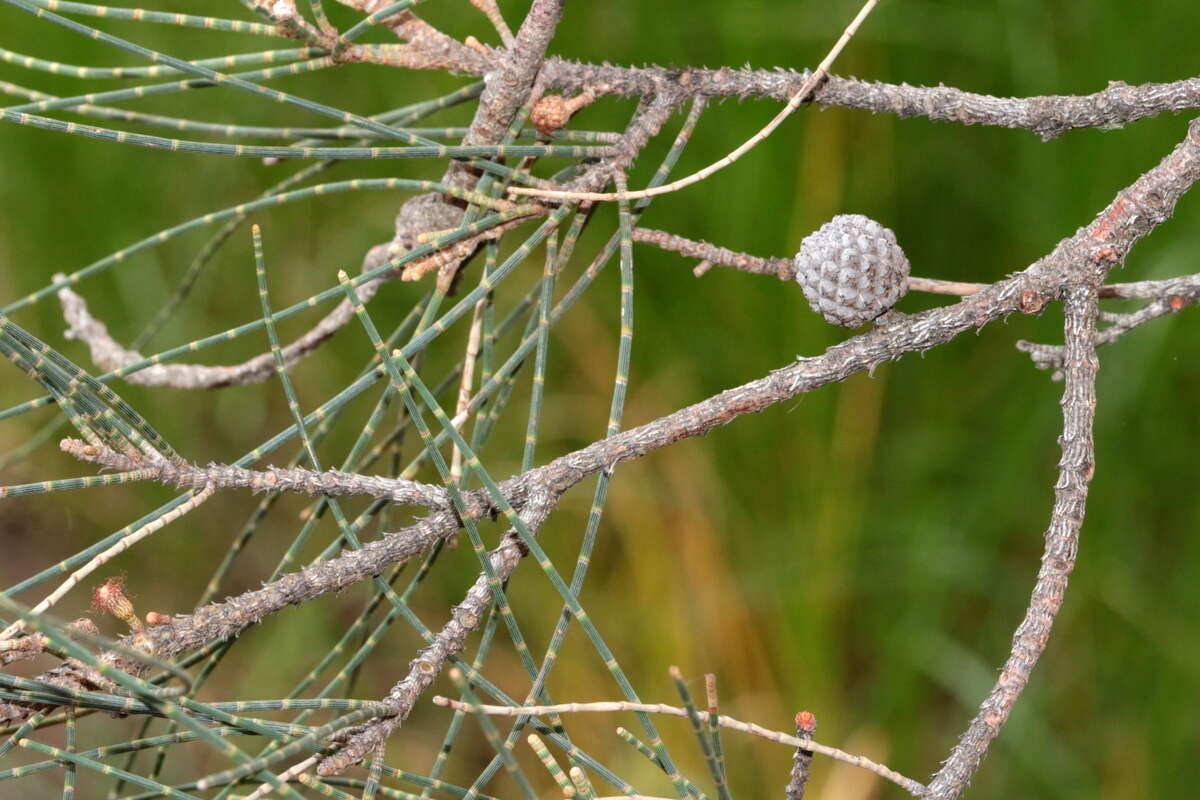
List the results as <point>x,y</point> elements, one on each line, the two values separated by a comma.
<point>799,97</point>
<point>1173,296</point>
<point>492,12</point>
<point>295,480</point>
<point>202,494</point>
<point>1177,293</point>
<point>608,707</point>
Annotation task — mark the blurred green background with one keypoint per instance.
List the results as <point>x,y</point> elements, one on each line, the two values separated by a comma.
<point>863,553</point>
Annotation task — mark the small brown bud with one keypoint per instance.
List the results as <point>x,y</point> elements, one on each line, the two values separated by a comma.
<point>155,618</point>
<point>1176,302</point>
<point>553,111</point>
<point>110,597</point>
<point>550,113</point>
<point>1031,302</point>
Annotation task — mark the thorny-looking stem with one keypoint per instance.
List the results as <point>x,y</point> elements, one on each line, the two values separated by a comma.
<point>802,94</point>
<point>509,86</point>
<point>1170,297</point>
<point>1076,468</point>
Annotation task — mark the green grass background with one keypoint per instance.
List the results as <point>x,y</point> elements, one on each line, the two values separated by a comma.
<point>864,552</point>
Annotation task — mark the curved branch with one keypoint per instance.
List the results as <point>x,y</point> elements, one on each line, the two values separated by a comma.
<point>110,355</point>
<point>1080,307</point>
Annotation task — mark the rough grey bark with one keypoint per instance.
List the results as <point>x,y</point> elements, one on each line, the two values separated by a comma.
<point>509,82</point>
<point>1076,468</point>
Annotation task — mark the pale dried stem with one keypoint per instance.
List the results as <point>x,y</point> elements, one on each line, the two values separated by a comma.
<point>608,707</point>
<point>293,772</point>
<point>466,385</point>
<point>492,12</point>
<point>109,554</point>
<point>805,90</point>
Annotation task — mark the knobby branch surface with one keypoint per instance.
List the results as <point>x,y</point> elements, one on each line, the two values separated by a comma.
<point>1048,116</point>
<point>1167,297</point>
<point>1076,468</point>
<point>510,84</point>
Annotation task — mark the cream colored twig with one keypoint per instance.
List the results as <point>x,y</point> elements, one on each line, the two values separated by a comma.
<point>492,12</point>
<point>295,771</point>
<point>468,379</point>
<point>112,552</point>
<point>799,97</point>
<point>912,787</point>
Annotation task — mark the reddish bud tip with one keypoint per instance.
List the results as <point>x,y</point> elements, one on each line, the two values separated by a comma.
<point>806,722</point>
<point>110,597</point>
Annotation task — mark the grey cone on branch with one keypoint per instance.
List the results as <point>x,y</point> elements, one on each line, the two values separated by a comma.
<point>852,270</point>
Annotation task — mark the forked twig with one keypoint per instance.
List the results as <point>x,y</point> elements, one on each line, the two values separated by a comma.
<point>1062,542</point>
<point>120,546</point>
<point>799,97</point>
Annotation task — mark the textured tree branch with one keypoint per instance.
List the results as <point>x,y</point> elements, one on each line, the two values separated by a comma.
<point>329,483</point>
<point>509,83</point>
<point>1048,116</point>
<point>1062,541</point>
<point>465,618</point>
<point>1170,297</point>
